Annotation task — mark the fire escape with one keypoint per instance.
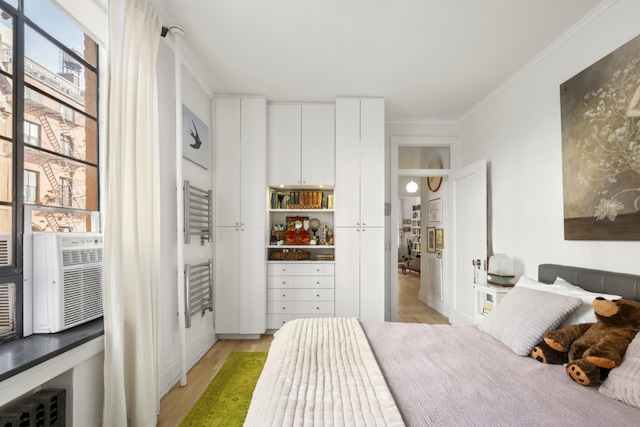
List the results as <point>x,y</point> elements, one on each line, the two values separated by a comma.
<point>55,167</point>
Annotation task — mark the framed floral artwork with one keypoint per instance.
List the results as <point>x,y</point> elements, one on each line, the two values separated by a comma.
<point>600,115</point>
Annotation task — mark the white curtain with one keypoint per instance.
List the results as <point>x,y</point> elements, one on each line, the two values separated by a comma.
<point>131,254</point>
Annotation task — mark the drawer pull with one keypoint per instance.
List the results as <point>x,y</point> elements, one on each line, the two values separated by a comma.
<point>318,295</point>
<point>284,308</point>
<point>317,308</point>
<point>317,269</point>
<point>318,282</point>
<point>284,295</point>
<point>284,269</point>
<point>284,283</point>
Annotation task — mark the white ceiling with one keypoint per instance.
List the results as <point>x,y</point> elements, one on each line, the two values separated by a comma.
<point>430,59</point>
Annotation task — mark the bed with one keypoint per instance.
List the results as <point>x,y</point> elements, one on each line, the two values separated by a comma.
<point>325,372</point>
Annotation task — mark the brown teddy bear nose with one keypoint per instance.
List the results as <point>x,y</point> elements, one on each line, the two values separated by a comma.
<point>600,298</point>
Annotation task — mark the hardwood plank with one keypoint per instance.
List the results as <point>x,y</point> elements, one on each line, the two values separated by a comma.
<point>410,308</point>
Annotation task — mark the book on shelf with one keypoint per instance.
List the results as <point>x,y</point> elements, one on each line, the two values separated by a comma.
<point>487,307</point>
<point>300,200</point>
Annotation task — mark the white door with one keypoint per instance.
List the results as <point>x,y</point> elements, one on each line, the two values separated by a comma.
<point>252,284</point>
<point>227,283</point>
<point>253,158</point>
<point>347,191</point>
<point>372,281</point>
<point>371,162</point>
<point>284,144</point>
<point>469,208</point>
<point>347,282</point>
<point>227,162</point>
<point>318,144</point>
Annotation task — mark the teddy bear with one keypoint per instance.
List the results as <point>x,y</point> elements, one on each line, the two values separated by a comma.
<point>592,349</point>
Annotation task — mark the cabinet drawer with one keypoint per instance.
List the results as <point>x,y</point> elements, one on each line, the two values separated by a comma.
<point>287,294</point>
<point>275,321</point>
<point>326,282</point>
<point>299,307</point>
<point>300,269</point>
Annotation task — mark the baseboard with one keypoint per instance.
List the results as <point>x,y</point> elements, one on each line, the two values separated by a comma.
<point>434,303</point>
<point>171,376</point>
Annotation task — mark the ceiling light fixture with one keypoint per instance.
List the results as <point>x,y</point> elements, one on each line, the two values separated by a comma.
<point>412,186</point>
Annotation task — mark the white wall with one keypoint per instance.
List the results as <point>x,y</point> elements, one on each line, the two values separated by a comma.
<point>518,132</point>
<point>200,336</point>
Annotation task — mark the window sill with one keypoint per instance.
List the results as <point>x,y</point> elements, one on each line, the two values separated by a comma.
<point>19,355</point>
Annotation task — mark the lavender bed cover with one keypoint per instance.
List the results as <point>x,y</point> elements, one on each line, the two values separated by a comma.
<point>443,375</point>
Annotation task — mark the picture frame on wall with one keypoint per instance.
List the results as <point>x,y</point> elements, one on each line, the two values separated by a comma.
<point>195,138</point>
<point>434,210</point>
<point>440,238</point>
<point>431,239</point>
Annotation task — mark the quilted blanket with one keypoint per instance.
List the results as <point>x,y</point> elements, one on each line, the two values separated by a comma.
<point>322,372</point>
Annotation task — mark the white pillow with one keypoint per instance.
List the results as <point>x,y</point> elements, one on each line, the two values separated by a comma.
<point>524,315</point>
<point>526,282</point>
<point>584,313</point>
<point>623,382</point>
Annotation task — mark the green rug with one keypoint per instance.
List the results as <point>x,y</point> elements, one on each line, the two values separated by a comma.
<point>226,400</point>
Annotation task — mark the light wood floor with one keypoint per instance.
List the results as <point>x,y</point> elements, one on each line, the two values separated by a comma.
<point>175,405</point>
<point>410,308</point>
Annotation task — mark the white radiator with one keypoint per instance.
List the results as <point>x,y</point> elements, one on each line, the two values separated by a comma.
<point>67,280</point>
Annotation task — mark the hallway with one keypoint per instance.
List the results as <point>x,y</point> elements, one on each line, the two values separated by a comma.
<point>410,308</point>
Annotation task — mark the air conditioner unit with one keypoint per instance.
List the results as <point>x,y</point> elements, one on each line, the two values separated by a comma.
<point>5,250</point>
<point>67,280</point>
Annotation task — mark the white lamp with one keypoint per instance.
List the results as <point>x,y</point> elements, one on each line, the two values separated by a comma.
<point>412,186</point>
<point>500,270</point>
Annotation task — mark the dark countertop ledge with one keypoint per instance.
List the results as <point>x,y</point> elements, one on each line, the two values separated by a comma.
<point>21,354</point>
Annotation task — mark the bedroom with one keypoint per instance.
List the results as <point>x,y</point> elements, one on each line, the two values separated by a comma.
<point>516,127</point>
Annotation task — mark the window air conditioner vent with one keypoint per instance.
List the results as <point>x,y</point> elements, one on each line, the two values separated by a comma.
<point>67,271</point>
<point>7,307</point>
<point>5,250</point>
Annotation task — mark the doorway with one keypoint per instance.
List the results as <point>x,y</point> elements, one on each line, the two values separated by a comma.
<point>426,161</point>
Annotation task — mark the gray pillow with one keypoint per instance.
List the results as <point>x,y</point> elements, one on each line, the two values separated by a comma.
<point>524,315</point>
<point>623,382</point>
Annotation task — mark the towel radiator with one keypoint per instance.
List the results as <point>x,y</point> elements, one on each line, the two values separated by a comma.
<point>198,289</point>
<point>198,213</point>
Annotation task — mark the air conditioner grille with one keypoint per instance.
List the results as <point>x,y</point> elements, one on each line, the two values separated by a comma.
<point>82,256</point>
<point>7,307</point>
<point>82,293</point>
<point>5,251</point>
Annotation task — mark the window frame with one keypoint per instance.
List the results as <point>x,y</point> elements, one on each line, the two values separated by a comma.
<point>14,273</point>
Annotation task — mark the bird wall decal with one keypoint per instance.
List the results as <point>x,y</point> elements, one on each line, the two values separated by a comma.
<point>197,143</point>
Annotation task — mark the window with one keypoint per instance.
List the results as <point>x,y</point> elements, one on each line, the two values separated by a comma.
<point>31,133</point>
<point>48,135</point>
<point>30,193</point>
<point>65,191</point>
<point>66,145</point>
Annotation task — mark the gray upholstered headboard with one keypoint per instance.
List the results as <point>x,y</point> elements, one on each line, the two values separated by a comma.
<point>625,285</point>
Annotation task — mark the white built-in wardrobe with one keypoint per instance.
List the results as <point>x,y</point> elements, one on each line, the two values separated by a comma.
<point>243,227</point>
